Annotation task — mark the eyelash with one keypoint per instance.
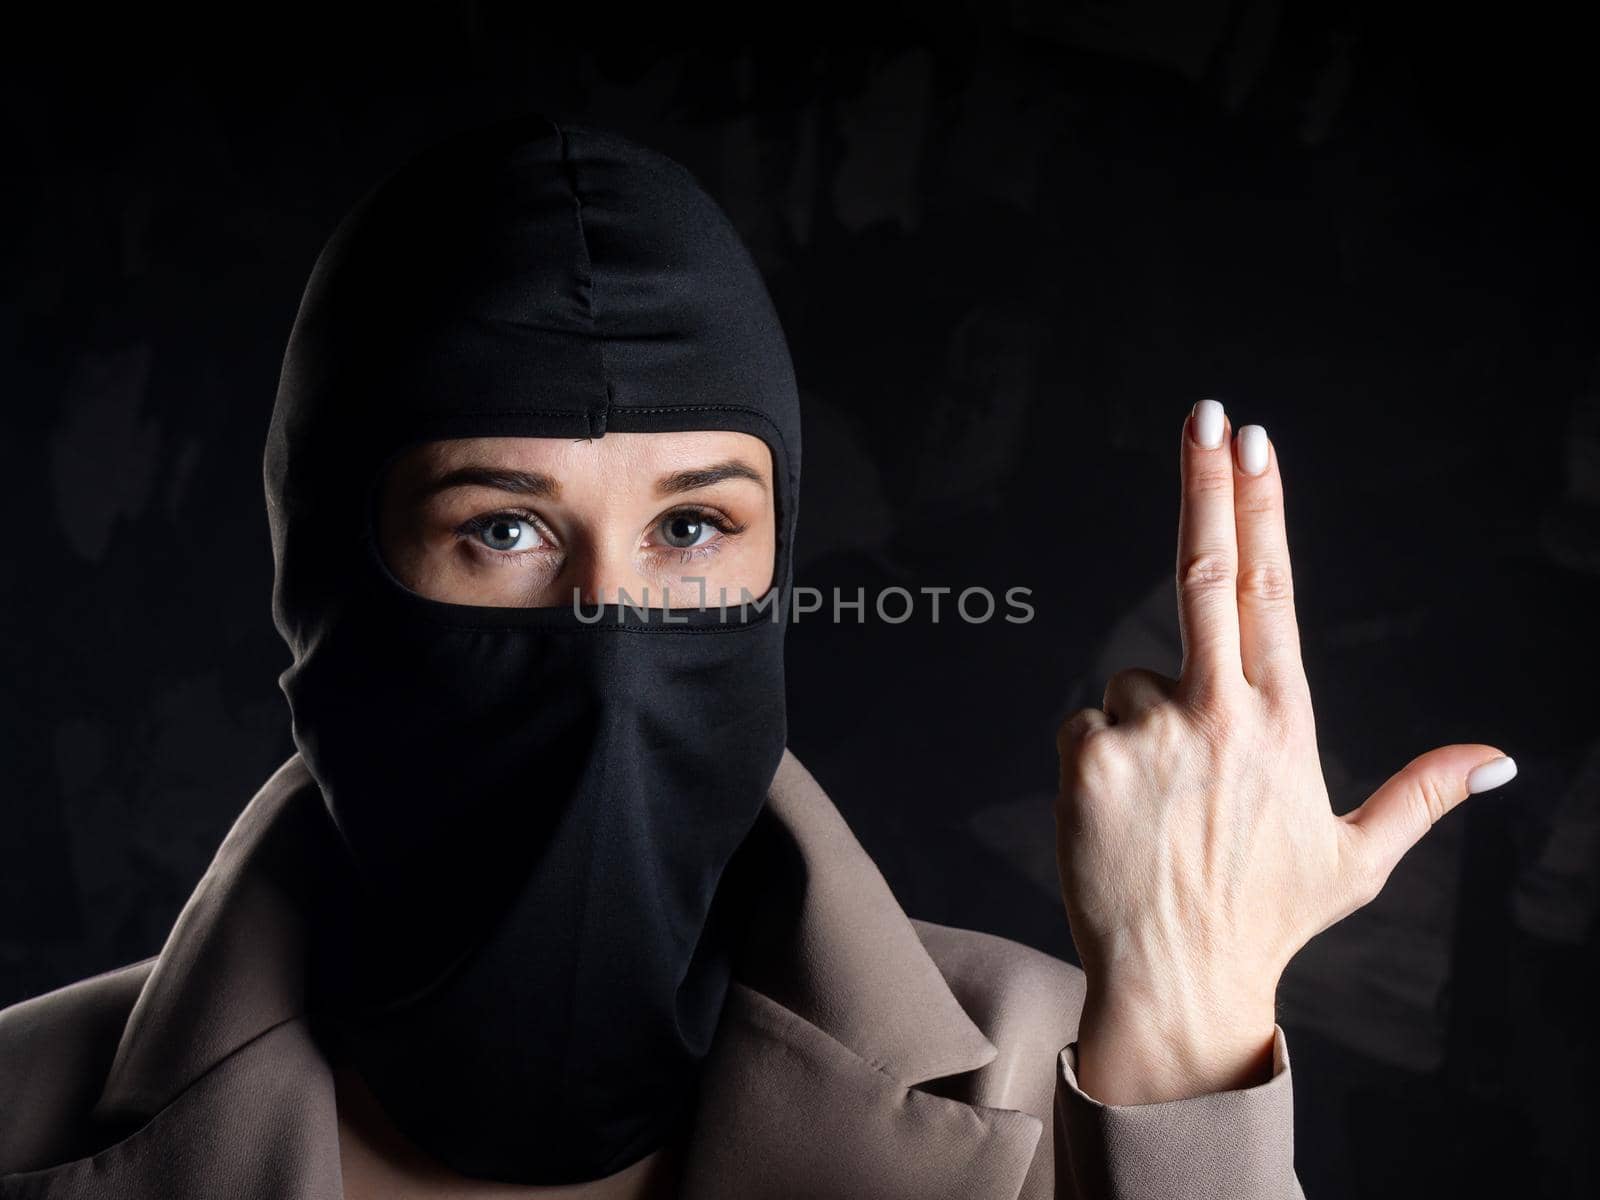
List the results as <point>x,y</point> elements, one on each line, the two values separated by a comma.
<point>482,521</point>
<point>718,521</point>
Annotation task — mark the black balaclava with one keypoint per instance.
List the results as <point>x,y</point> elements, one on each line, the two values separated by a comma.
<point>539,811</point>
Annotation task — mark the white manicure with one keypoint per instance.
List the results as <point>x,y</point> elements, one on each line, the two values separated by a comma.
<point>1253,449</point>
<point>1491,775</point>
<point>1208,424</point>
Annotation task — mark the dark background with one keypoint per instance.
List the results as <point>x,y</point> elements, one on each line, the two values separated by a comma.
<point>1011,246</point>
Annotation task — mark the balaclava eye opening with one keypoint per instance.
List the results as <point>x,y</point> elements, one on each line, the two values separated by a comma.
<point>538,808</point>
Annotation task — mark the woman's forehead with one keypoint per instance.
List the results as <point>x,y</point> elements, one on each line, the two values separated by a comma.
<point>630,455</point>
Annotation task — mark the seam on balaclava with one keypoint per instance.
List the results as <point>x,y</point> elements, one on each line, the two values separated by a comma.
<point>596,412</point>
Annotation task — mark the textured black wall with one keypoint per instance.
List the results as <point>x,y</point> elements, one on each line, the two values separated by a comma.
<point>1368,227</point>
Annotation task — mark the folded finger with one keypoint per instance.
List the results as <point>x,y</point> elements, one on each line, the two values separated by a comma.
<point>1134,690</point>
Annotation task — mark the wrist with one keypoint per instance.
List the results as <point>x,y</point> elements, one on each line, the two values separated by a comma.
<point>1138,1045</point>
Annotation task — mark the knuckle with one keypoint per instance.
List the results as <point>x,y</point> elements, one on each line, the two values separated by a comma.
<point>1291,691</point>
<point>1217,723</point>
<point>1434,802</point>
<point>1206,570</point>
<point>1284,700</point>
<point>1092,766</point>
<point>1077,731</point>
<point>1259,502</point>
<point>1209,481</point>
<point>1119,678</point>
<point>1094,752</point>
<point>1170,732</point>
<point>1284,720</point>
<point>1214,699</point>
<point>1127,680</point>
<point>1270,583</point>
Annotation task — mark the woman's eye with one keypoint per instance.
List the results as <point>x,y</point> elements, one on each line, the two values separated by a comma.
<point>507,533</point>
<point>683,530</point>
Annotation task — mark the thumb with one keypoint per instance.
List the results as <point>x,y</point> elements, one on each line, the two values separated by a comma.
<point>1395,817</point>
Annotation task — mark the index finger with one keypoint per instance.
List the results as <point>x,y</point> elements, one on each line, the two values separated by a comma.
<point>1208,552</point>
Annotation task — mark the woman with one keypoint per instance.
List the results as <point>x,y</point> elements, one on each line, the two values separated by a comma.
<point>544,907</point>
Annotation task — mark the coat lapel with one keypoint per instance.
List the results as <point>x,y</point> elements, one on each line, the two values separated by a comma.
<point>835,1014</point>
<point>217,1087</point>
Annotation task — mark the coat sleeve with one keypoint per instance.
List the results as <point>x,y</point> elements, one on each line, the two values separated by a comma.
<point>1237,1144</point>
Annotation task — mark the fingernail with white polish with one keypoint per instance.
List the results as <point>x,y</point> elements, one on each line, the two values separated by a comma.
<point>1208,424</point>
<point>1491,774</point>
<point>1253,449</point>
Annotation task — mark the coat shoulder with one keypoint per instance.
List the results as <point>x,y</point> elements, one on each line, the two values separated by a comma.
<point>1025,1001</point>
<point>55,1052</point>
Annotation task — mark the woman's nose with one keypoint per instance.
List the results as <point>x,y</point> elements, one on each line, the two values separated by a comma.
<point>612,578</point>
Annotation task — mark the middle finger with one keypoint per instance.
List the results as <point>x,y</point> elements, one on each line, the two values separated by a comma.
<point>1269,635</point>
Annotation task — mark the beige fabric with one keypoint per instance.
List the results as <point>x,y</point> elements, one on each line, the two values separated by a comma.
<point>861,1053</point>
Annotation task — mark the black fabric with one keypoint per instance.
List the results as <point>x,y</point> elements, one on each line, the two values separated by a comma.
<point>539,811</point>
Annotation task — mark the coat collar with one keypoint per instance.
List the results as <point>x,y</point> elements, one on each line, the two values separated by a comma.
<point>835,1012</point>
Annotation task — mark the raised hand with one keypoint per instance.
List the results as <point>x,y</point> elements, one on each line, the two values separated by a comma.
<point>1197,847</point>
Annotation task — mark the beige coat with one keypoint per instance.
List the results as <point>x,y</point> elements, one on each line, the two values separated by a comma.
<point>193,1073</point>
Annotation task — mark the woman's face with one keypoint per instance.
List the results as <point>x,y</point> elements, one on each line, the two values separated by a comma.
<point>629,517</point>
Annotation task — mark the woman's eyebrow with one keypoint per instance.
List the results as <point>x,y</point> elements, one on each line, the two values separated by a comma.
<point>501,479</point>
<point>699,477</point>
